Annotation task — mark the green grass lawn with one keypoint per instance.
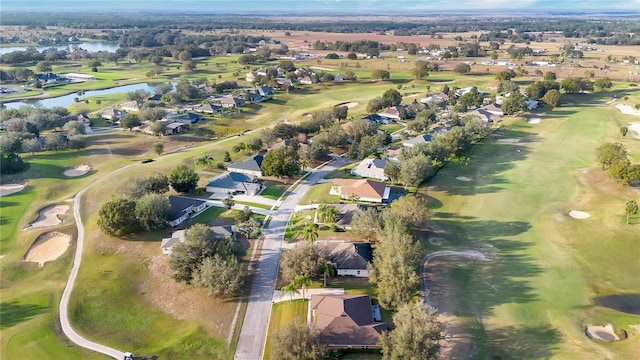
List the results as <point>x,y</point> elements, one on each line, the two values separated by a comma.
<point>546,266</point>
<point>283,314</point>
<point>318,194</point>
<point>273,190</point>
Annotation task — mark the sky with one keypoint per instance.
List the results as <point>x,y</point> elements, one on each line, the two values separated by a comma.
<point>372,7</point>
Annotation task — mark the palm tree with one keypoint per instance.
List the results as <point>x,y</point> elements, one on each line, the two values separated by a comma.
<point>631,208</point>
<point>204,162</point>
<point>327,268</point>
<point>330,214</point>
<point>309,233</point>
<point>290,288</point>
<point>302,281</point>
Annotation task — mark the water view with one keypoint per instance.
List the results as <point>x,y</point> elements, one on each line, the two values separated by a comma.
<point>67,100</point>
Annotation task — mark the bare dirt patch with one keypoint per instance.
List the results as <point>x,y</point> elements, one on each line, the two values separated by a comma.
<point>48,247</point>
<point>8,189</point>
<point>603,333</point>
<point>77,170</point>
<point>49,216</point>
<point>463,178</point>
<point>577,214</point>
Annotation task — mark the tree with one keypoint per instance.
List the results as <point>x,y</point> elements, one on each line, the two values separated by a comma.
<point>290,288</point>
<point>284,161</point>
<point>462,68</point>
<point>129,121</point>
<point>302,281</point>
<point>392,171</point>
<point>309,233</point>
<point>31,145</point>
<point>365,223</point>
<point>304,258</point>
<point>340,112</point>
<point>115,217</point>
<point>77,142</point>
<point>609,153</point>
<point>74,128</point>
<point>157,148</point>
<point>415,170</point>
<point>205,162</point>
<point>550,76</point>
<point>416,336</point>
<point>412,207</point>
<point>11,163</point>
<point>630,208</point>
<point>221,277</point>
<point>297,342</point>
<point>227,157</point>
<point>43,67</point>
<point>327,269</point>
<point>623,132</point>
<point>153,211</point>
<point>394,268</point>
<point>380,75</point>
<point>200,242</point>
<point>420,70</point>
<point>514,103</point>
<point>392,97</point>
<point>552,98</point>
<point>183,179</point>
<point>228,202</point>
<point>603,83</point>
<point>55,142</point>
<point>138,186</point>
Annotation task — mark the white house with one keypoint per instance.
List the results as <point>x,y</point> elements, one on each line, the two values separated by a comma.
<point>250,166</point>
<point>371,168</point>
<point>361,190</point>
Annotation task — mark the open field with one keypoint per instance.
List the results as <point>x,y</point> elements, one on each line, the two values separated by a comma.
<point>547,266</point>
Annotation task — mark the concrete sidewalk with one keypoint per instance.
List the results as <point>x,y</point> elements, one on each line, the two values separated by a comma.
<point>280,296</point>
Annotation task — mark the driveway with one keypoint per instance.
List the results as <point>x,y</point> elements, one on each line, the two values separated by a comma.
<point>256,319</point>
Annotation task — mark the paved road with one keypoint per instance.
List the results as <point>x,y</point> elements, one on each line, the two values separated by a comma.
<point>256,319</point>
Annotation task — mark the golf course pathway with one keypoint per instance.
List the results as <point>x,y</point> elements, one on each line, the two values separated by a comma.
<point>253,334</point>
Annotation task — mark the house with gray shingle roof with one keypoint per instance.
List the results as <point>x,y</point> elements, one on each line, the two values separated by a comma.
<point>349,258</point>
<point>420,139</point>
<point>251,166</point>
<point>234,183</point>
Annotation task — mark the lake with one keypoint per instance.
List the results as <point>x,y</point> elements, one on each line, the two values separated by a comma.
<point>67,100</point>
<point>90,47</point>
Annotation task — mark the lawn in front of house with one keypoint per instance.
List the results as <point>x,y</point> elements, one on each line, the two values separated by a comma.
<point>273,190</point>
<point>318,194</point>
<point>283,314</point>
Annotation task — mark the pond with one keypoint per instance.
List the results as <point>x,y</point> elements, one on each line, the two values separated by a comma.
<point>67,100</point>
<point>627,303</point>
<point>90,47</point>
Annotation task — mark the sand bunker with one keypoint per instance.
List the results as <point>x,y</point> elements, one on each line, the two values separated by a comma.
<point>347,104</point>
<point>535,120</point>
<point>509,140</point>
<point>463,178</point>
<point>604,333</point>
<point>635,127</point>
<point>48,247</point>
<point>11,188</point>
<point>576,214</point>
<point>628,109</point>
<point>49,216</point>
<point>77,170</point>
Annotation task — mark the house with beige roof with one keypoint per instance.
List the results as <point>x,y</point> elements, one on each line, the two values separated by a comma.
<point>361,190</point>
<point>346,321</point>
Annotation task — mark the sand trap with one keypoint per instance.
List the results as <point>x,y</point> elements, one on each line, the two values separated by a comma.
<point>48,247</point>
<point>463,178</point>
<point>576,214</point>
<point>77,170</point>
<point>628,109</point>
<point>509,140</point>
<point>351,104</point>
<point>11,188</point>
<point>535,120</point>
<point>412,95</point>
<point>49,216</point>
<point>604,333</point>
<point>635,127</point>
<point>437,241</point>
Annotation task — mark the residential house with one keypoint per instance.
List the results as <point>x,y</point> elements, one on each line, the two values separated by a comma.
<point>132,105</point>
<point>251,166</point>
<point>183,207</point>
<point>532,104</point>
<point>232,102</point>
<point>361,190</point>
<point>391,113</point>
<point>420,139</point>
<point>346,321</point>
<point>185,118</point>
<point>174,128</point>
<point>338,77</point>
<point>251,76</point>
<point>393,154</point>
<point>265,91</point>
<point>305,80</point>
<point>209,109</point>
<point>178,237</point>
<point>81,118</point>
<point>255,97</point>
<point>345,215</point>
<point>493,109</point>
<point>349,258</point>
<point>371,168</point>
<point>234,183</point>
<point>483,115</point>
<point>112,114</point>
